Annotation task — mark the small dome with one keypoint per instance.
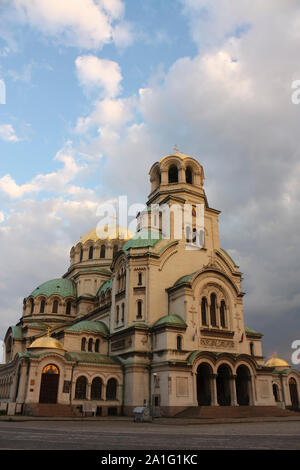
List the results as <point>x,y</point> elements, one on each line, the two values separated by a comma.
<point>121,232</point>
<point>62,287</point>
<point>46,342</point>
<point>276,362</point>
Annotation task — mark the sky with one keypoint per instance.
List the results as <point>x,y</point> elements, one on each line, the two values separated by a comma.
<point>98,90</point>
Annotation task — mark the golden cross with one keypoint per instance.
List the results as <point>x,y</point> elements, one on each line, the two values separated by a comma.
<point>175,148</point>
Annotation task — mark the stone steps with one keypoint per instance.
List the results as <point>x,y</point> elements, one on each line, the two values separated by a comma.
<point>207,412</point>
<point>51,410</point>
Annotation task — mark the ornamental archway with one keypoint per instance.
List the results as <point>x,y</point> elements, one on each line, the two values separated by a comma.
<point>49,384</point>
<point>204,374</point>
<point>243,379</point>
<point>223,385</point>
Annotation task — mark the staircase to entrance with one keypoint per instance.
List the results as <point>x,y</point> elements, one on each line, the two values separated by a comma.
<point>210,412</point>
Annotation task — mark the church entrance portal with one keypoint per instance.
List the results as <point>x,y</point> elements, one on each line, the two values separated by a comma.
<point>49,384</point>
<point>243,379</point>
<point>223,385</point>
<point>203,385</point>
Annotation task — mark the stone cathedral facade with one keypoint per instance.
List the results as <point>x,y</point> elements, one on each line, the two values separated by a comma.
<point>144,320</point>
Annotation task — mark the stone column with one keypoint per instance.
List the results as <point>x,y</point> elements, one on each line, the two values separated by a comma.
<point>233,390</point>
<point>213,389</point>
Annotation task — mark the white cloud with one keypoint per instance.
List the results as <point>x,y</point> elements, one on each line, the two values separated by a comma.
<point>99,73</point>
<point>87,24</point>
<point>7,133</point>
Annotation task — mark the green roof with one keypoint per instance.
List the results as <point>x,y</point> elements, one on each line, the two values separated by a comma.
<point>104,287</point>
<point>253,332</point>
<point>184,279</point>
<point>61,287</point>
<point>170,320</point>
<point>90,357</point>
<point>98,270</point>
<point>89,326</point>
<point>143,239</point>
<point>17,332</point>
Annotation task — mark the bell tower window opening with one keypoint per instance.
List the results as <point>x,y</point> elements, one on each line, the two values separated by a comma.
<point>213,310</point>
<point>91,252</point>
<point>102,252</point>
<point>173,174</point>
<point>139,309</point>
<point>188,175</point>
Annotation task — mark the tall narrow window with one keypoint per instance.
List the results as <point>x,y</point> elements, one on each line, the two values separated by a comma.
<point>252,349</point>
<point>91,252</point>
<point>81,254</point>
<point>90,345</point>
<point>83,343</point>
<point>179,343</point>
<point>68,307</point>
<point>96,389</point>
<point>189,175</point>
<point>97,344</point>
<point>123,313</point>
<point>194,239</point>
<point>55,306</point>
<point>118,314</point>
<point>31,305</point>
<point>111,389</point>
<point>139,309</point>
<point>115,250</point>
<point>173,174</point>
<point>102,251</point>
<point>140,279</point>
<point>213,314</point>
<point>223,314</point>
<point>42,307</point>
<point>204,311</point>
<point>80,388</point>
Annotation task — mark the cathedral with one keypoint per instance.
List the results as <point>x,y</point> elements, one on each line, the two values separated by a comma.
<point>144,319</point>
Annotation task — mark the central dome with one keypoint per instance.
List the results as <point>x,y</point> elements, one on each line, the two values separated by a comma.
<point>46,342</point>
<point>110,234</point>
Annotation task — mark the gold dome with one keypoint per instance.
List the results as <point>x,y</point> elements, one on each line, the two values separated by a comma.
<point>276,362</point>
<point>110,234</point>
<point>46,342</point>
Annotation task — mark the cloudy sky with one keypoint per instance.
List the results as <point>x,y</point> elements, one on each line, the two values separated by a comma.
<point>98,90</point>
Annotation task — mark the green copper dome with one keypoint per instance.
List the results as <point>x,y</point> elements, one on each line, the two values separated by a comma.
<point>89,327</point>
<point>61,287</point>
<point>170,320</point>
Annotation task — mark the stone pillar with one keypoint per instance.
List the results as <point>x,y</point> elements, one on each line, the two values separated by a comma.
<point>21,393</point>
<point>233,390</point>
<point>213,389</point>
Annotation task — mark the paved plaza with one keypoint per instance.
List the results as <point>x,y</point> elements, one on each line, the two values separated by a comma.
<point>127,435</point>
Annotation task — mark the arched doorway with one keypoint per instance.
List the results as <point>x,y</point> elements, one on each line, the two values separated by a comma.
<point>243,379</point>
<point>204,373</point>
<point>223,385</point>
<point>294,393</point>
<point>49,384</point>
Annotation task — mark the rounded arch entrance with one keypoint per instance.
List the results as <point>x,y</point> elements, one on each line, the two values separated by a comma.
<point>294,393</point>
<point>204,375</point>
<point>243,380</point>
<point>49,384</point>
<point>224,376</point>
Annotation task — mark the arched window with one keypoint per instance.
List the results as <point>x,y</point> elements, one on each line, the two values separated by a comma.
<point>115,250</point>
<point>96,389</point>
<point>204,311</point>
<point>189,175</point>
<point>102,251</point>
<point>80,388</point>
<point>91,252</point>
<point>83,343</point>
<point>140,279</point>
<point>118,314</point>
<point>173,174</point>
<point>68,307</point>
<point>97,344</point>
<point>81,254</point>
<point>55,306</point>
<point>179,343</point>
<point>123,313</point>
<point>139,309</point>
<point>31,305</point>
<point>42,306</point>
<point>213,314</point>
<point>223,314</point>
<point>252,349</point>
<point>111,389</point>
<point>90,345</point>
<point>276,392</point>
